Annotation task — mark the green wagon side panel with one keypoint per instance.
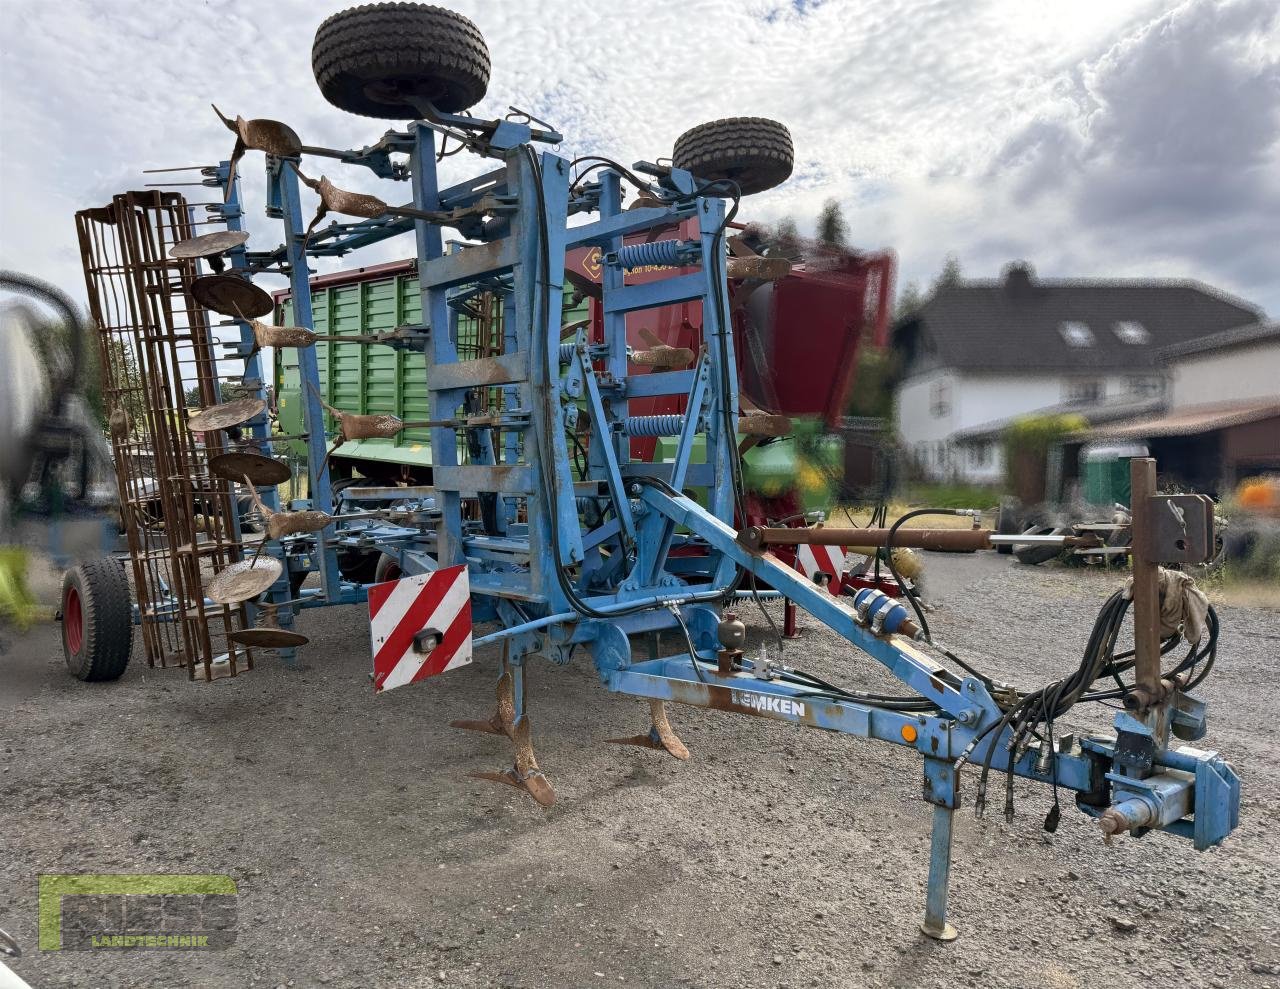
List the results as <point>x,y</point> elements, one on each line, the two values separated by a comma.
<point>368,379</point>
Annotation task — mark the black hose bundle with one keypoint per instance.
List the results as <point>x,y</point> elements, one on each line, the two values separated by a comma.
<point>1032,715</point>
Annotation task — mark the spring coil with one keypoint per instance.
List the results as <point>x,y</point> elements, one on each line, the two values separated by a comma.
<point>660,253</point>
<point>567,351</point>
<point>666,425</point>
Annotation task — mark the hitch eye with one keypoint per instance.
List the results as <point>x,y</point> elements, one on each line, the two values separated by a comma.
<point>425,641</point>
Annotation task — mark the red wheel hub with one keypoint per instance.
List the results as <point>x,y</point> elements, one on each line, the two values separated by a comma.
<point>73,621</point>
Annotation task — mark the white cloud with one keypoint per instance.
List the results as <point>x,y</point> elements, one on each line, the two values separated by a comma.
<point>991,130</point>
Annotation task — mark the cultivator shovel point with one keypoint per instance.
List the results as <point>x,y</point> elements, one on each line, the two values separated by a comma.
<point>525,774</point>
<point>281,524</point>
<point>265,335</point>
<point>347,203</point>
<point>661,735</point>
<point>504,713</point>
<point>512,720</point>
<point>270,136</point>
<point>659,354</point>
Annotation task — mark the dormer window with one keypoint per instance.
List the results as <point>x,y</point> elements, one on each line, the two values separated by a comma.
<point>1076,334</point>
<point>1131,331</point>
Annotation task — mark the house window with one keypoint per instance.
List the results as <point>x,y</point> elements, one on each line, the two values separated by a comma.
<point>1076,334</point>
<point>1146,386</point>
<point>980,454</point>
<point>1131,331</point>
<point>940,399</point>
<point>1083,390</point>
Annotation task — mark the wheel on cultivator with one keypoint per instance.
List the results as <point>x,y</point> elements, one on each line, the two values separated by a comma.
<point>97,624</point>
<point>376,60</point>
<point>754,152</point>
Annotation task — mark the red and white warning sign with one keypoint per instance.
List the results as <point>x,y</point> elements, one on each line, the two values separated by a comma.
<point>419,626</point>
<point>812,560</point>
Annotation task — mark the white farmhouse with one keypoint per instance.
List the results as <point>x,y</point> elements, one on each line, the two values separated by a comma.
<point>980,353</point>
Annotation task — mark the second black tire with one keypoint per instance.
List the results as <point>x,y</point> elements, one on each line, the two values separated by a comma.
<point>368,59</point>
<point>754,152</point>
<point>97,620</point>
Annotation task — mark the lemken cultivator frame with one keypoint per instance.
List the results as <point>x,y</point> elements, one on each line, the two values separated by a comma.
<point>541,533</point>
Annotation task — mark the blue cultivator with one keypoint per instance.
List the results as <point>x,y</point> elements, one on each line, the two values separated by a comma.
<point>541,529</point>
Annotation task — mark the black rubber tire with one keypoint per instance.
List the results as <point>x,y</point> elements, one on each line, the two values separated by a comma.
<point>1007,522</point>
<point>359,565</point>
<point>367,58</point>
<point>754,152</point>
<point>1034,554</point>
<point>388,569</point>
<point>105,620</point>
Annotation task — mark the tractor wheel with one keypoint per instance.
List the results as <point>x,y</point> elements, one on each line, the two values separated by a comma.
<point>367,59</point>
<point>1007,522</point>
<point>359,566</point>
<point>388,569</point>
<point>754,152</point>
<point>97,623</point>
<point>1034,554</point>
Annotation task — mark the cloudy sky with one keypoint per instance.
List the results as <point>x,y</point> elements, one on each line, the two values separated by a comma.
<point>1091,137</point>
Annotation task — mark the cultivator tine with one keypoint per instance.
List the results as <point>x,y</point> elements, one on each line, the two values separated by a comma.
<point>504,713</point>
<point>525,774</point>
<point>513,722</point>
<point>661,735</point>
<point>660,354</point>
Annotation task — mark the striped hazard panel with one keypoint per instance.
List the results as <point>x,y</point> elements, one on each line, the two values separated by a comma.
<point>813,560</point>
<point>419,626</point>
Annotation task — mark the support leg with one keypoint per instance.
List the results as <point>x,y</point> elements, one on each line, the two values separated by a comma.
<point>935,909</point>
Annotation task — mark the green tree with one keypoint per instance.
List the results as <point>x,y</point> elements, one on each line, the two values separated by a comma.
<point>832,227</point>
<point>786,238</point>
<point>909,301</point>
<point>950,275</point>
<point>873,386</point>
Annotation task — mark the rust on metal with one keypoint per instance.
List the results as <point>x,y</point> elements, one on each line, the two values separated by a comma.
<point>260,134</point>
<point>231,295</point>
<point>759,268</point>
<point>266,335</point>
<point>525,774</point>
<point>281,524</point>
<point>1146,581</point>
<point>268,637</point>
<point>244,580</point>
<point>661,736</point>
<point>209,245</point>
<point>226,416</point>
<point>259,469</point>
<point>155,350</point>
<point>764,424</point>
<point>662,356</point>
<point>504,712</point>
<point>941,540</point>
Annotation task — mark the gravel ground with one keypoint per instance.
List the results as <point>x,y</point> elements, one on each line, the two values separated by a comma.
<point>778,857</point>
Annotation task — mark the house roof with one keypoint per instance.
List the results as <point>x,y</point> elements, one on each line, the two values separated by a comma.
<point>1094,415</point>
<point>1191,420</point>
<point>1015,324</point>
<point>1238,336</point>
